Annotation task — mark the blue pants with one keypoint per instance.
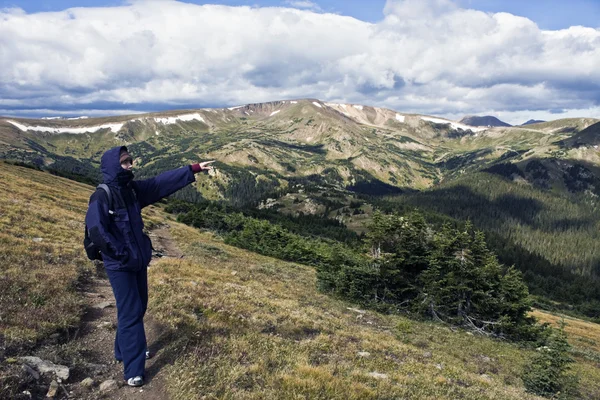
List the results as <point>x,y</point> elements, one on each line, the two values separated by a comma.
<point>131,293</point>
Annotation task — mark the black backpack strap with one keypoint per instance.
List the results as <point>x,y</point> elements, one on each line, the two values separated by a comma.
<point>105,187</point>
<point>134,195</point>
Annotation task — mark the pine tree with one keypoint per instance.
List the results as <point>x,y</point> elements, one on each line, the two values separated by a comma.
<point>548,373</point>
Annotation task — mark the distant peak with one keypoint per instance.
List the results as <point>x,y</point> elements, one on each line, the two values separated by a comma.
<point>533,121</point>
<point>486,120</point>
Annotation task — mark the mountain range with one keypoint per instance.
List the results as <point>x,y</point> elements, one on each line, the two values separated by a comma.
<point>346,144</point>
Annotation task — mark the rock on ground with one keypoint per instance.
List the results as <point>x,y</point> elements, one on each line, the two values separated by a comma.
<point>47,367</point>
<point>53,390</point>
<point>108,386</point>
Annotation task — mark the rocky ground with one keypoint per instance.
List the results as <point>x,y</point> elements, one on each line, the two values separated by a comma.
<point>81,364</point>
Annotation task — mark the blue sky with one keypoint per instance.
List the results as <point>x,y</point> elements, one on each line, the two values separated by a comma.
<point>548,14</point>
<point>517,60</point>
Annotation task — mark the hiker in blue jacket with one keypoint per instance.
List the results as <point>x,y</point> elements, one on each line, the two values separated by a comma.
<point>126,250</point>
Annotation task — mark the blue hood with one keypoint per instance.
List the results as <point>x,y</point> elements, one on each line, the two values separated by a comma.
<point>112,171</point>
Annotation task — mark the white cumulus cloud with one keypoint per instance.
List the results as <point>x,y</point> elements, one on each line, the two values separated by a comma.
<point>425,56</point>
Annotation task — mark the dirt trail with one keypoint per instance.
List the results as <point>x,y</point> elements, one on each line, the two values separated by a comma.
<point>96,338</point>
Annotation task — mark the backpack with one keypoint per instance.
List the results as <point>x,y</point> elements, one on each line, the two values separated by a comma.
<point>91,249</point>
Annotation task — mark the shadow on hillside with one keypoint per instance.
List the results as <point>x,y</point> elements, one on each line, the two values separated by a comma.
<point>374,187</point>
<point>586,137</point>
<point>566,224</point>
<point>315,149</point>
<point>367,184</point>
<point>170,345</point>
<point>509,213</point>
<point>462,202</point>
<point>463,160</point>
<point>163,349</point>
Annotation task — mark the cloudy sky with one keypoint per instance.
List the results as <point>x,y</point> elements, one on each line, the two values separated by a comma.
<point>513,59</point>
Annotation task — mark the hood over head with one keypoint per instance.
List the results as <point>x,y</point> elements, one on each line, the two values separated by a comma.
<point>110,165</point>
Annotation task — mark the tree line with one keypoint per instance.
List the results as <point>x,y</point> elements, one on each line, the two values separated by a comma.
<point>403,264</point>
<point>554,240</point>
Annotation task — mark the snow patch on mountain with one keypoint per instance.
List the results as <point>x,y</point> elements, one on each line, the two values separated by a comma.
<point>317,104</point>
<point>454,125</point>
<point>72,118</point>
<point>53,129</point>
<point>400,118</point>
<point>185,117</point>
<point>274,112</point>
<point>115,127</point>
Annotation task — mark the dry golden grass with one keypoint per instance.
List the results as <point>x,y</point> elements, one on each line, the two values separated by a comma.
<point>257,328</point>
<point>42,262</point>
<point>41,258</point>
<point>584,337</point>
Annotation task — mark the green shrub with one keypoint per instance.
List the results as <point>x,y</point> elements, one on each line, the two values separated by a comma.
<point>449,275</point>
<point>548,373</point>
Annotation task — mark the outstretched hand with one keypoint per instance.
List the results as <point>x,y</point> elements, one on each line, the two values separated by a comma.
<point>203,166</point>
<point>206,165</point>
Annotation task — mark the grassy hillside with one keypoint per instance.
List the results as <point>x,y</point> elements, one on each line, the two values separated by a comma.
<point>245,326</point>
<point>257,328</point>
<point>41,263</point>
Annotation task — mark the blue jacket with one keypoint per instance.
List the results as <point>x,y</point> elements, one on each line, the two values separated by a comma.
<point>122,241</point>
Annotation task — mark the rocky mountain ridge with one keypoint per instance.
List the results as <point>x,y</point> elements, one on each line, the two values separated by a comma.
<point>276,143</point>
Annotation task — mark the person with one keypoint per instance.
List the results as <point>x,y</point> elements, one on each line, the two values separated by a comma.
<point>126,250</point>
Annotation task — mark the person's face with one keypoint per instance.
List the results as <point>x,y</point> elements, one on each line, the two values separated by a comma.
<point>127,164</point>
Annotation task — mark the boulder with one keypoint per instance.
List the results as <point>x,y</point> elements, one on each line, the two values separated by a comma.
<point>47,367</point>
<point>108,386</point>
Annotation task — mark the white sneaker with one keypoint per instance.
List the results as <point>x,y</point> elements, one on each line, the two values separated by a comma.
<point>135,381</point>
